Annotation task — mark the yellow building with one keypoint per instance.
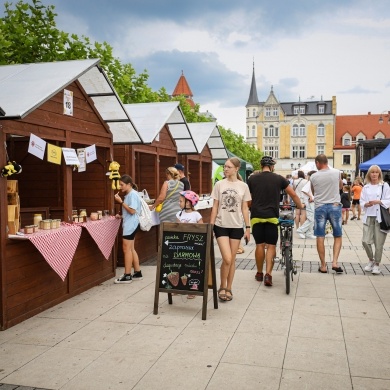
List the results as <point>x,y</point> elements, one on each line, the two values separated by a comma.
<point>294,133</point>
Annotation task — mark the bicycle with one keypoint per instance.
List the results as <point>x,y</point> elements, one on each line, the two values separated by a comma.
<point>286,224</point>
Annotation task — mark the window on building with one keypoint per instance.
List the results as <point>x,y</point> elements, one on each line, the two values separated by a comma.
<point>347,141</point>
<point>294,152</point>
<point>295,131</point>
<point>320,149</point>
<point>266,132</point>
<point>247,113</point>
<point>253,131</point>
<point>275,111</point>
<point>302,130</point>
<point>254,112</point>
<point>321,109</point>
<point>302,109</point>
<point>268,111</point>
<point>346,159</point>
<point>247,131</point>
<point>296,110</point>
<point>302,152</point>
<point>272,151</point>
<point>320,130</point>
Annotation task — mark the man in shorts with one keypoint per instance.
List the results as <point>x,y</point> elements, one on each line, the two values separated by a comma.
<point>326,185</point>
<point>265,188</point>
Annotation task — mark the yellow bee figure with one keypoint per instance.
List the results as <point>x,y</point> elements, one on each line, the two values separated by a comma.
<point>114,175</point>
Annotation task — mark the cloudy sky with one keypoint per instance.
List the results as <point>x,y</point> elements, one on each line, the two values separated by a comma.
<point>306,49</point>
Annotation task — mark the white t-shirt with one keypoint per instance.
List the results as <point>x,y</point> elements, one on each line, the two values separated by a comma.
<point>188,217</point>
<point>230,195</point>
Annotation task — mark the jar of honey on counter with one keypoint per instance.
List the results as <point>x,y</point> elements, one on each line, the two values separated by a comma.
<point>94,216</point>
<point>83,213</point>
<point>29,229</point>
<point>37,219</point>
<point>46,224</point>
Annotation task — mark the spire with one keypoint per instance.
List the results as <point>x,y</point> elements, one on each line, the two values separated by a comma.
<point>253,99</point>
<point>183,88</point>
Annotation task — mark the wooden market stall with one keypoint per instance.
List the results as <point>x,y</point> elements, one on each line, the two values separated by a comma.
<point>167,140</point>
<point>51,108</point>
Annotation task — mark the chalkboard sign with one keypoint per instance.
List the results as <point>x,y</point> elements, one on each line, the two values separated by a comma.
<point>185,262</point>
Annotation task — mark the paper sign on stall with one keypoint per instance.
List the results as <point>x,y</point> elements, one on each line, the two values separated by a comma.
<point>54,154</point>
<point>70,156</point>
<point>81,155</point>
<point>90,153</point>
<point>68,102</point>
<point>37,146</point>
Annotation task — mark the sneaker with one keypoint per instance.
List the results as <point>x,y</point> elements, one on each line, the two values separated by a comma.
<point>137,275</point>
<point>268,280</point>
<point>126,278</point>
<point>259,276</point>
<point>370,266</point>
<point>301,235</point>
<point>376,270</point>
<point>353,218</point>
<point>311,237</point>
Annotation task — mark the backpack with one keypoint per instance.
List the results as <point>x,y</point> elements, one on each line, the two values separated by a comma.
<point>145,216</point>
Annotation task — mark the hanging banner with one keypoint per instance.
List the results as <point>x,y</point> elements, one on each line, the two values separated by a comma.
<point>81,156</point>
<point>90,153</point>
<point>68,102</point>
<point>37,146</point>
<point>54,154</point>
<point>70,156</point>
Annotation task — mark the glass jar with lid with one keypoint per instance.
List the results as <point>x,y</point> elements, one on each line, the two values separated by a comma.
<point>83,213</point>
<point>37,219</point>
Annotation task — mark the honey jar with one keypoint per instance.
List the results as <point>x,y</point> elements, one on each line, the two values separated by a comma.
<point>37,219</point>
<point>100,214</point>
<point>35,228</point>
<point>94,216</point>
<point>29,229</point>
<point>46,224</point>
<point>83,213</point>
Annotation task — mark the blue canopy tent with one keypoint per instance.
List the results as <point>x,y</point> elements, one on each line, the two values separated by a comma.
<point>382,160</point>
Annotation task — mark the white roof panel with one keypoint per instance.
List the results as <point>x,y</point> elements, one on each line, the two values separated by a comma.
<point>216,144</point>
<point>150,118</point>
<point>24,87</point>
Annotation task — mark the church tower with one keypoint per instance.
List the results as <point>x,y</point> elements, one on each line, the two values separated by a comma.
<point>182,88</point>
<point>252,112</point>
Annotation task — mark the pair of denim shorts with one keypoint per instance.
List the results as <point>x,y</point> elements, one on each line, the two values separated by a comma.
<point>328,212</point>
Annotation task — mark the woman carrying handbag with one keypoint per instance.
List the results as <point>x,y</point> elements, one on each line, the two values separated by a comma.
<point>375,195</point>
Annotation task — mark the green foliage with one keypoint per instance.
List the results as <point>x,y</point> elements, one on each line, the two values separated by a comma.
<point>237,145</point>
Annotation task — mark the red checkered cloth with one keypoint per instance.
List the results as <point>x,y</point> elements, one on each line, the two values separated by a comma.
<point>103,232</point>
<point>58,246</point>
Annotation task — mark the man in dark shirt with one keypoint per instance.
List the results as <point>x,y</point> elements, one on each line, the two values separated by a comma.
<point>265,188</point>
<point>183,179</point>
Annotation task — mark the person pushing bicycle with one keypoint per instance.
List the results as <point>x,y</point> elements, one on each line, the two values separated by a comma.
<point>265,188</point>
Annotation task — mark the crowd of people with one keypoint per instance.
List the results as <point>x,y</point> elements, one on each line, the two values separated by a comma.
<point>321,198</point>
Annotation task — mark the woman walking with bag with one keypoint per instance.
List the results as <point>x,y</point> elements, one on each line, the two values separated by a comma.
<point>169,196</point>
<point>375,194</point>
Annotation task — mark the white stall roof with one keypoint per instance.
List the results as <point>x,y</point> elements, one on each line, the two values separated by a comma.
<point>150,118</point>
<point>24,87</point>
<point>216,144</point>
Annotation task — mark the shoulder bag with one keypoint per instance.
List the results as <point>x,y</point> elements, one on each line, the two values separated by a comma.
<point>385,216</point>
<point>159,207</point>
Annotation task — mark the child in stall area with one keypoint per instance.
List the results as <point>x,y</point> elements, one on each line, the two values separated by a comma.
<point>346,203</point>
<point>187,201</point>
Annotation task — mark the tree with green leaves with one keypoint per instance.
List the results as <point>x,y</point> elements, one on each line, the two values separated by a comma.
<point>237,145</point>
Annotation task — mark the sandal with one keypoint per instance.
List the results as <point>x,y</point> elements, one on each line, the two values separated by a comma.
<point>240,251</point>
<point>222,297</point>
<point>229,297</point>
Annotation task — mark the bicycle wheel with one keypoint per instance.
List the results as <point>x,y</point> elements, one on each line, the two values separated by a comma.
<point>287,270</point>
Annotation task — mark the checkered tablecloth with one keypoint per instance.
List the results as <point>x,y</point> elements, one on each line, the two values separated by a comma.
<point>103,232</point>
<point>57,246</point>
